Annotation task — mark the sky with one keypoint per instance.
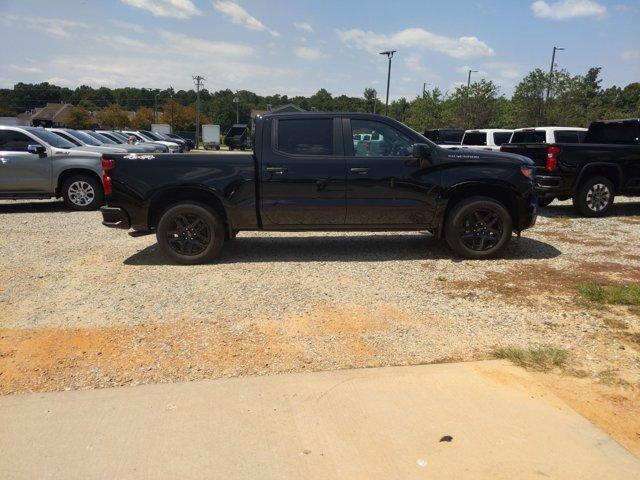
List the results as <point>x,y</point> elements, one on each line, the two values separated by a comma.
<point>296,47</point>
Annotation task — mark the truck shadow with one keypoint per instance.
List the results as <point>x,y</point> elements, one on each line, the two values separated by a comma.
<point>620,209</point>
<point>361,248</point>
<point>37,206</point>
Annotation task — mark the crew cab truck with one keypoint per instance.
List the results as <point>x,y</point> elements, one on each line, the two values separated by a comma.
<point>306,174</point>
<point>36,163</point>
<point>592,173</point>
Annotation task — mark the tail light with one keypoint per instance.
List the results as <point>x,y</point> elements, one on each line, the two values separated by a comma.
<point>108,164</point>
<point>552,158</point>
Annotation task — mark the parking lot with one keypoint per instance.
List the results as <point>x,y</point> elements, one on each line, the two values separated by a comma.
<point>82,306</point>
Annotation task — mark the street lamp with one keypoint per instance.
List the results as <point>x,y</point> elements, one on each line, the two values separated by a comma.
<point>469,78</point>
<point>236,100</point>
<point>553,63</point>
<point>389,54</point>
<point>155,108</point>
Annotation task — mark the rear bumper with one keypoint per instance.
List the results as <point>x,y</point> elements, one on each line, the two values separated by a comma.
<point>115,217</point>
<point>550,186</point>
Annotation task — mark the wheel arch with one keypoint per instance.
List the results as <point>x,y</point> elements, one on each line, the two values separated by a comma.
<point>165,198</point>
<point>499,192</point>
<point>70,172</point>
<point>600,169</point>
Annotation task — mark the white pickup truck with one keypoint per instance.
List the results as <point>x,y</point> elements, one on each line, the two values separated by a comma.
<point>548,135</point>
<point>485,139</point>
<point>36,163</point>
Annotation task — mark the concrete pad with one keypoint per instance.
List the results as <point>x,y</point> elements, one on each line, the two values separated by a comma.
<point>383,423</point>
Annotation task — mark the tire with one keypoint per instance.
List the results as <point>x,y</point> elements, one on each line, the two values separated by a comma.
<point>82,193</point>
<point>231,149</point>
<point>217,147</point>
<point>478,228</point>
<point>545,202</point>
<point>190,245</point>
<point>594,197</point>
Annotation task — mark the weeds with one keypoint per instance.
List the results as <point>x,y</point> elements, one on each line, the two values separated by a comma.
<point>614,295</point>
<point>616,323</point>
<point>441,278</point>
<point>542,359</point>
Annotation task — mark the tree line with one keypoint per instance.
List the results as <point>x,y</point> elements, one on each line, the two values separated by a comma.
<point>573,100</point>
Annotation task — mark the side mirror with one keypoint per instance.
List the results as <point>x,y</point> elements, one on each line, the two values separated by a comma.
<point>422,153</point>
<point>37,149</point>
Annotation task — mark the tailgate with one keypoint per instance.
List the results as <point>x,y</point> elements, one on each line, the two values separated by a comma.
<point>535,151</point>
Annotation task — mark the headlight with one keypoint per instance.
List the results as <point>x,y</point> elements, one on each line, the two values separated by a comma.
<point>527,172</point>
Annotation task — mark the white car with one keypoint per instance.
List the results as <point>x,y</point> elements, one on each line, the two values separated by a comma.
<point>548,135</point>
<point>145,136</point>
<point>484,139</point>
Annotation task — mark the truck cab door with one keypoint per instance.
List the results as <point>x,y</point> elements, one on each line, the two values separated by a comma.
<point>302,172</point>
<point>386,186</point>
<point>20,170</point>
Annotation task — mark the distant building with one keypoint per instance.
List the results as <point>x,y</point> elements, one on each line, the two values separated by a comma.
<point>51,115</point>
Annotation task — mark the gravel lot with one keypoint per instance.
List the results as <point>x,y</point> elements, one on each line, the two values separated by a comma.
<point>84,306</point>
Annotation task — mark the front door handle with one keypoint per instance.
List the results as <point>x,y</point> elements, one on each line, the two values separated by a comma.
<point>276,170</point>
<point>360,170</point>
<point>4,161</point>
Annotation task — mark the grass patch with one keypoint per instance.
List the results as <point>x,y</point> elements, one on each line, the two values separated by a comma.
<point>542,359</point>
<point>441,278</point>
<point>613,295</point>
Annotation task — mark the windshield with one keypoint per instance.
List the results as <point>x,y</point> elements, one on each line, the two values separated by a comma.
<point>142,136</point>
<point>51,138</point>
<point>101,138</point>
<point>152,135</point>
<point>83,137</point>
<point>120,136</point>
<point>450,137</point>
<point>529,136</point>
<point>620,133</point>
<point>474,138</point>
<point>501,137</point>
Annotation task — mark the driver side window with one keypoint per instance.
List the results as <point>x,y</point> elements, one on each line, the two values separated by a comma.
<point>11,141</point>
<point>377,139</point>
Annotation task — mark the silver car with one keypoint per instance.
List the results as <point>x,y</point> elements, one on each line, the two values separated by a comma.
<point>82,141</point>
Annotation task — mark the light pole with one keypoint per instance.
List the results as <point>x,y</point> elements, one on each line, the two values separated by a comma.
<point>389,54</point>
<point>236,100</point>
<point>424,88</point>
<point>469,78</point>
<point>198,80</point>
<point>468,87</point>
<point>553,63</point>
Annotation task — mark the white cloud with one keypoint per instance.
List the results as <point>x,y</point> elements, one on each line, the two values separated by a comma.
<point>121,40</point>
<point>23,69</point>
<point>128,26</point>
<point>55,27</point>
<point>630,55</point>
<point>413,63</point>
<point>240,16</point>
<point>566,9</point>
<point>461,48</point>
<point>308,53</point>
<point>192,46</point>
<point>304,26</point>
<point>181,9</point>
<point>506,70</point>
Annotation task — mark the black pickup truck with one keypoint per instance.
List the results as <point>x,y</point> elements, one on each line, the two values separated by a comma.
<point>592,173</point>
<point>323,172</point>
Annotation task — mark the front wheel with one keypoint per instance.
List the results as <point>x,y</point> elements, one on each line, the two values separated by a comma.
<point>190,233</point>
<point>478,228</point>
<point>82,192</point>
<point>594,197</point>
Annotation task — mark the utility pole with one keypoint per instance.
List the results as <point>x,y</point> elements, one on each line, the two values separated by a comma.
<point>171,88</point>
<point>198,80</point>
<point>236,100</point>
<point>553,63</point>
<point>389,54</point>
<point>155,108</point>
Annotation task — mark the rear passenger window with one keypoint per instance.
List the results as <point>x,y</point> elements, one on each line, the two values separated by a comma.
<point>306,136</point>
<point>569,136</point>
<point>11,141</point>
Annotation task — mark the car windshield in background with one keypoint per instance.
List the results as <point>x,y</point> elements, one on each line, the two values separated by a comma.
<point>143,137</point>
<point>123,137</point>
<point>501,137</point>
<point>151,135</point>
<point>529,136</point>
<point>450,138</point>
<point>475,138</point>
<point>101,138</point>
<point>51,138</point>
<point>234,131</point>
<point>88,139</point>
<point>627,133</point>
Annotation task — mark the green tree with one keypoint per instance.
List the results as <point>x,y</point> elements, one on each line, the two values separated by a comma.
<point>429,111</point>
<point>476,106</point>
<point>143,118</point>
<point>79,118</point>
<point>113,117</point>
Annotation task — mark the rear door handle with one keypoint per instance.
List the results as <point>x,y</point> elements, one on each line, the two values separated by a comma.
<point>360,170</point>
<point>277,170</point>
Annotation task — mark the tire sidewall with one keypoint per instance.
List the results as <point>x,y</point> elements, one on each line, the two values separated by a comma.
<point>455,225</point>
<point>211,218</point>
<point>580,201</point>
<point>98,199</point>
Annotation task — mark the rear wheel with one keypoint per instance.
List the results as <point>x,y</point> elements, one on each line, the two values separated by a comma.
<point>82,192</point>
<point>594,197</point>
<point>478,228</point>
<point>190,233</point>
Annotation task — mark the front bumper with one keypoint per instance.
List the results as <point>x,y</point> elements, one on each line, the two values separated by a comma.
<point>115,217</point>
